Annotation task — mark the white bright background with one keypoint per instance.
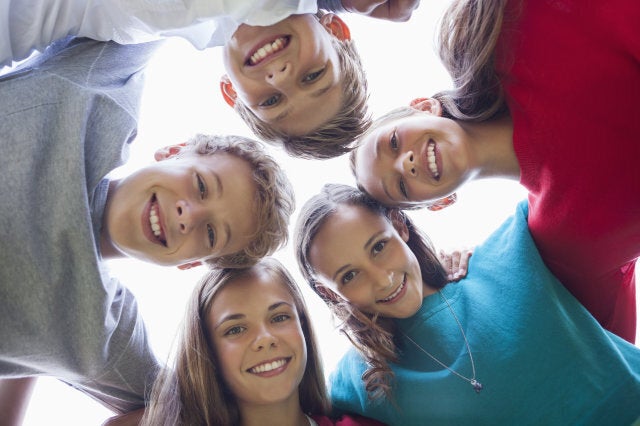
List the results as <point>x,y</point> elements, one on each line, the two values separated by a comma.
<point>182,98</point>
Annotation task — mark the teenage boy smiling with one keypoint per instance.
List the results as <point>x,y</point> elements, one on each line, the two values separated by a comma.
<point>66,120</point>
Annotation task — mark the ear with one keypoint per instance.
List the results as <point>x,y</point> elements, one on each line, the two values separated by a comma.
<point>336,26</point>
<point>189,265</point>
<point>168,151</point>
<point>428,105</point>
<point>228,92</point>
<point>441,203</point>
<point>399,222</point>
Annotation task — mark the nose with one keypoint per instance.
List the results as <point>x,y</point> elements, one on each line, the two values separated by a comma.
<point>264,339</point>
<point>405,164</point>
<point>279,74</point>
<point>189,215</point>
<point>382,277</point>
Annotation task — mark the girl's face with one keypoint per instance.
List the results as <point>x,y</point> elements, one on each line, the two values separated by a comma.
<point>363,258</point>
<point>258,340</point>
<point>413,159</point>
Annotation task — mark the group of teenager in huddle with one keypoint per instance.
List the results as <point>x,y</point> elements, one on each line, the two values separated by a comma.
<point>539,330</point>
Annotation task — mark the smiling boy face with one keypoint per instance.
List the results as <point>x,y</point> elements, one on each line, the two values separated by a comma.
<point>285,71</point>
<point>182,210</point>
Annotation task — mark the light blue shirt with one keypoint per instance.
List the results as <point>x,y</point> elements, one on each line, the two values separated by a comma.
<point>540,356</point>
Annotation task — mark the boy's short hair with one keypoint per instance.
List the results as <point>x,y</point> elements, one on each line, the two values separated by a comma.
<point>274,199</point>
<point>338,135</point>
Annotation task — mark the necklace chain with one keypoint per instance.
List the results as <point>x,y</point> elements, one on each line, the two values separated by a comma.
<point>477,386</point>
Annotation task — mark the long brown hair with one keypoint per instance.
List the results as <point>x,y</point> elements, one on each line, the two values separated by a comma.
<point>194,392</point>
<point>467,39</point>
<point>371,335</point>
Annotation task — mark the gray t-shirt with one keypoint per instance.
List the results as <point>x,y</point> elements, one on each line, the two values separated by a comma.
<point>66,120</point>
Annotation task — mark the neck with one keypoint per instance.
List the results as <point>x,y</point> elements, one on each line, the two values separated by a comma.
<point>107,249</point>
<point>493,148</point>
<point>287,413</point>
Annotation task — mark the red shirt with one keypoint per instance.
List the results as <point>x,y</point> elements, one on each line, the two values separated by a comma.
<point>571,73</point>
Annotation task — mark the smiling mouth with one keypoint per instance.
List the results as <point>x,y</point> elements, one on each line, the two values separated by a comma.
<point>268,49</point>
<point>395,294</point>
<point>154,222</point>
<point>431,159</point>
<point>269,366</point>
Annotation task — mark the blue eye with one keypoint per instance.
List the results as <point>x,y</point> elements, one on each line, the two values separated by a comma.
<point>211,234</point>
<point>234,330</point>
<point>313,76</point>
<point>271,101</point>
<point>202,188</point>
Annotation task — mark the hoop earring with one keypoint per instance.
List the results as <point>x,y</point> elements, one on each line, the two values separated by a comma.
<point>442,202</point>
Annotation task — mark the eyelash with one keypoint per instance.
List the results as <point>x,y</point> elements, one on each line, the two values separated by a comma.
<point>237,329</point>
<point>211,234</point>
<point>393,141</point>
<point>313,76</point>
<point>375,250</point>
<point>271,101</point>
<point>393,144</point>
<point>281,317</point>
<point>234,330</point>
<point>275,99</point>
<point>202,188</point>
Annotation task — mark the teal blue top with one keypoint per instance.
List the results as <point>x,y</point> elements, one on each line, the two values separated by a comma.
<point>540,356</point>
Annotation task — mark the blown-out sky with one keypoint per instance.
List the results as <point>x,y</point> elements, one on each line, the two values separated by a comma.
<point>182,98</point>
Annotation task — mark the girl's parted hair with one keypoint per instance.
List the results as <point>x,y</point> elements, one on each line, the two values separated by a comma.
<point>467,39</point>
<point>372,336</point>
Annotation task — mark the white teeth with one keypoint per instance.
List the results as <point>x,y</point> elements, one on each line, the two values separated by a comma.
<point>154,221</point>
<point>262,368</point>
<point>431,158</point>
<point>394,294</point>
<point>266,50</point>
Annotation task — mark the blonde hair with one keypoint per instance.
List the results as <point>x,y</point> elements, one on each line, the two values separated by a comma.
<point>194,392</point>
<point>274,200</point>
<point>335,137</point>
<point>372,336</point>
<point>467,39</point>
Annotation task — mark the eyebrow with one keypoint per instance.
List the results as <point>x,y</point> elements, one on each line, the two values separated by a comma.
<point>233,317</point>
<point>365,247</point>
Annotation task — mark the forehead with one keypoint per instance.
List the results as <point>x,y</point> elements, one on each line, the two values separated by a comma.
<point>347,226</point>
<point>252,292</point>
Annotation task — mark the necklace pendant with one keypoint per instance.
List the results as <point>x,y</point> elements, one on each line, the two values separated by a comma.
<point>477,386</point>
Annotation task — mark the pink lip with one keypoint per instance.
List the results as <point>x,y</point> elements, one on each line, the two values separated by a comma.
<point>146,226</point>
<point>402,292</point>
<point>274,372</point>
<point>268,59</point>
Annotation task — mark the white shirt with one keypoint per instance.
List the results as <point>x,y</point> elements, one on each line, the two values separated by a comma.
<point>28,25</point>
